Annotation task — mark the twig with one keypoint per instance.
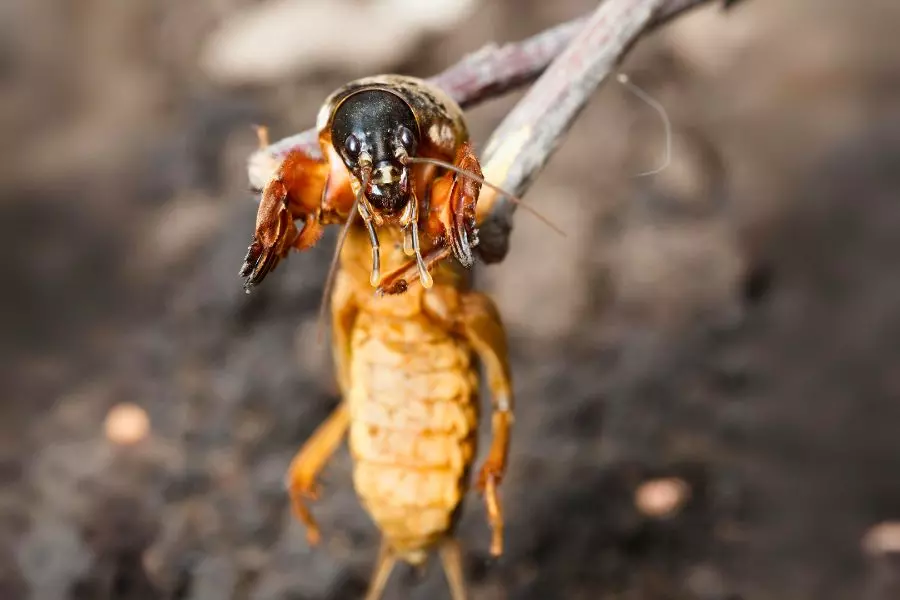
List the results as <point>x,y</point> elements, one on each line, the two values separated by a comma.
<point>493,71</point>
<point>530,134</point>
<point>488,73</point>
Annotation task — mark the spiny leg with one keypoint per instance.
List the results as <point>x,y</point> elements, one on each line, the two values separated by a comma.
<point>451,559</point>
<point>308,463</point>
<point>383,567</point>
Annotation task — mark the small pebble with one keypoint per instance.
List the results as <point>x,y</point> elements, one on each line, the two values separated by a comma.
<point>883,538</point>
<point>127,424</point>
<point>660,498</point>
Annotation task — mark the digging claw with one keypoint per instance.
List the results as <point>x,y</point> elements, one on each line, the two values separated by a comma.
<point>258,263</point>
<point>250,260</point>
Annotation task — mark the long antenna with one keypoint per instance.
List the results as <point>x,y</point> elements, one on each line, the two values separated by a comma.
<point>655,105</point>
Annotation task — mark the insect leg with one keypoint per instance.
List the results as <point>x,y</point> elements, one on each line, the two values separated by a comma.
<point>451,559</point>
<point>451,218</point>
<point>484,329</point>
<point>308,463</point>
<point>453,200</point>
<point>475,316</point>
<point>383,567</point>
<point>293,192</point>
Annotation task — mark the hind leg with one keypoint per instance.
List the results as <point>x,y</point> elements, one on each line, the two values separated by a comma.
<point>475,316</point>
<point>318,449</point>
<point>308,463</point>
<point>484,329</point>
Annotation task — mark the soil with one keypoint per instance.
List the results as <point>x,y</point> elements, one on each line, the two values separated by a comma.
<point>732,321</point>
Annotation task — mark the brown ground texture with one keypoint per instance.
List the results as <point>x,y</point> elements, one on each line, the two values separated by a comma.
<point>732,321</point>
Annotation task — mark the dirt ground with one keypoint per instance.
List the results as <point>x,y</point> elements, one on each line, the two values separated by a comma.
<point>732,321</point>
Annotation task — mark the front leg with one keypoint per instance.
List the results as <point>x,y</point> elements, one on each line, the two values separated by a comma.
<point>475,316</point>
<point>293,192</point>
<point>315,191</point>
<point>454,196</point>
<point>450,223</point>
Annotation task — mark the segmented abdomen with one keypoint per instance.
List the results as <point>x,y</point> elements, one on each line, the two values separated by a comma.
<point>413,425</point>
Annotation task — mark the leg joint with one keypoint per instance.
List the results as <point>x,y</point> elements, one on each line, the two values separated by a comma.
<point>503,404</point>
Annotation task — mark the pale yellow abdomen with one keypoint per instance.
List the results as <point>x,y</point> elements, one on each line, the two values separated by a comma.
<point>413,425</point>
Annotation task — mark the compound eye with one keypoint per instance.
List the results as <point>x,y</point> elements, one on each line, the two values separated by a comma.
<point>352,145</point>
<point>406,137</point>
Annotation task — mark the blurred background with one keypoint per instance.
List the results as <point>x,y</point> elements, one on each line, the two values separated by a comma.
<point>705,366</point>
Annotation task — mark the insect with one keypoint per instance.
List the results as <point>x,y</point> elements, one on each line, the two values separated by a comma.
<point>384,140</point>
<point>407,360</point>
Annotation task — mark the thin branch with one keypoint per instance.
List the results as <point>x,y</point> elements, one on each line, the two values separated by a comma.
<point>488,73</point>
<point>524,142</point>
<point>494,71</point>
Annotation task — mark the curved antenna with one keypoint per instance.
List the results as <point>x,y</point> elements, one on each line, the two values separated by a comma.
<point>332,269</point>
<point>482,181</point>
<point>659,108</point>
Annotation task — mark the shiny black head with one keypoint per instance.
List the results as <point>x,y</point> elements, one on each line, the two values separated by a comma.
<point>375,130</point>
